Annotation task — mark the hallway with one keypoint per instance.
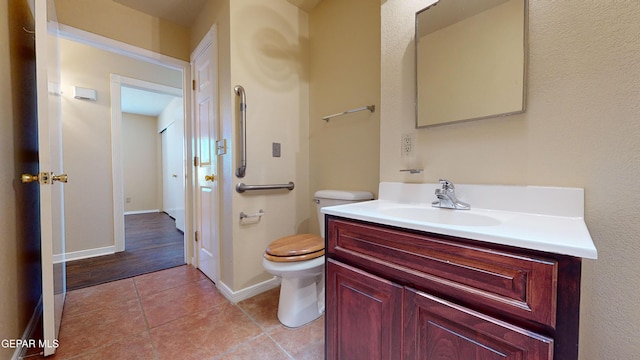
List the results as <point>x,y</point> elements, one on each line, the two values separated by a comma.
<point>152,243</point>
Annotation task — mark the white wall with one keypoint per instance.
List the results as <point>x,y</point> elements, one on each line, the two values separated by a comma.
<point>141,163</point>
<point>580,129</point>
<point>87,138</point>
<point>268,58</point>
<point>344,74</point>
<point>263,48</point>
<point>119,22</point>
<point>217,12</point>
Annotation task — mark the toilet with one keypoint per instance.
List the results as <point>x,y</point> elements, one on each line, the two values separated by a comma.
<point>299,260</point>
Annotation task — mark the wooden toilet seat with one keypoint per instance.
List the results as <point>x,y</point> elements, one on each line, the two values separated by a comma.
<point>295,248</point>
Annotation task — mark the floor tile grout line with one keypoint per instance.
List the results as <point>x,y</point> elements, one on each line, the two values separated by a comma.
<point>89,351</point>
<point>184,283</point>
<point>264,331</point>
<point>213,309</point>
<point>95,310</point>
<point>86,313</point>
<point>238,346</point>
<point>190,313</point>
<point>156,356</point>
<point>149,328</point>
<point>267,328</point>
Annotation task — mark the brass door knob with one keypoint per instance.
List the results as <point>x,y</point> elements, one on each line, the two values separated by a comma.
<point>27,178</point>
<point>43,178</point>
<point>62,178</point>
<point>210,178</point>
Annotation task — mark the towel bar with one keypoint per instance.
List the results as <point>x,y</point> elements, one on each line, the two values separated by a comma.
<point>371,108</point>
<point>246,216</point>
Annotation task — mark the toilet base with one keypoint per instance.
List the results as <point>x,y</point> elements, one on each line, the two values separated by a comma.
<point>301,300</point>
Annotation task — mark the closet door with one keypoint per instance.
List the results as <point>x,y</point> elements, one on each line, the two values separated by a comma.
<point>173,179</point>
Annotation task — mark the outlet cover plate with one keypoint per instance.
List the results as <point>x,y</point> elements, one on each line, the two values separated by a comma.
<point>407,145</point>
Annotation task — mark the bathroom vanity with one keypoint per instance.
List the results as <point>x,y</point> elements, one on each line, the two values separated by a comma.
<point>407,281</point>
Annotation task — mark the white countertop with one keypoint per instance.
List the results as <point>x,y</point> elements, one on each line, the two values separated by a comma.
<point>538,218</point>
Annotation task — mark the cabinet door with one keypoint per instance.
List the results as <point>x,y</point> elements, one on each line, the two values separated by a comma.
<point>505,281</point>
<point>364,315</point>
<point>438,329</point>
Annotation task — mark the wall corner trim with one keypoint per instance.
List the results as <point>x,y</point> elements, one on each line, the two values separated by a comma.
<point>83,254</point>
<point>242,294</point>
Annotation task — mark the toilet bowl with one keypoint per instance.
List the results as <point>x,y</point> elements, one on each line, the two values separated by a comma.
<point>299,261</point>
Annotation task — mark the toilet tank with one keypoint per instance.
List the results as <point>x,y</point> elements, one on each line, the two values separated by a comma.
<point>337,197</point>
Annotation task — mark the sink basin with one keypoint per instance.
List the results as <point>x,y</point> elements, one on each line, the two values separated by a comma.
<point>441,216</point>
<point>545,219</point>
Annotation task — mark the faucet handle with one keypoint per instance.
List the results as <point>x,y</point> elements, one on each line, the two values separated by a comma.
<point>446,184</point>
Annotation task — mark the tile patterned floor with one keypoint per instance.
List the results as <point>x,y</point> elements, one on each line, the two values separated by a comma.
<point>178,314</point>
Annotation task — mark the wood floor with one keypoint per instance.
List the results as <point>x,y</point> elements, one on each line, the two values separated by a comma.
<point>152,243</point>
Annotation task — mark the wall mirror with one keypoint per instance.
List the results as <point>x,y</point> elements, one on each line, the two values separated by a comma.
<point>470,60</point>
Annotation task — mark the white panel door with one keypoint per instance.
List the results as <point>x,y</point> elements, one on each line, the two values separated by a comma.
<point>206,122</point>
<point>172,139</point>
<point>50,176</point>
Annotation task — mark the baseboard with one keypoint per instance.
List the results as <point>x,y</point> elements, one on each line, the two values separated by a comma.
<point>21,351</point>
<point>237,296</point>
<point>83,254</point>
<point>136,212</point>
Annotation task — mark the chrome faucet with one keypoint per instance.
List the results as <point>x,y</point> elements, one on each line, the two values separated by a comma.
<point>447,197</point>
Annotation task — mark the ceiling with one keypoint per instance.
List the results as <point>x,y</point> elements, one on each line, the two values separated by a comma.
<point>450,12</point>
<point>181,12</point>
<point>143,102</point>
<point>306,5</point>
<point>184,12</point>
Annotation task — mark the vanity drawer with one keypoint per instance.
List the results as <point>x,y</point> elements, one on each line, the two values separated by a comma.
<point>490,279</point>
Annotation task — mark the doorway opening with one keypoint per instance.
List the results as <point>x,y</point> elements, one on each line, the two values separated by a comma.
<point>149,234</point>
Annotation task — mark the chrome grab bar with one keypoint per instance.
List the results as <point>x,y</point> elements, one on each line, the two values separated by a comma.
<point>239,90</point>
<point>241,187</point>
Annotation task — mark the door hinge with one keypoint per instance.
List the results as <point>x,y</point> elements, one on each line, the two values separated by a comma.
<point>193,84</point>
<point>196,236</point>
<point>195,161</point>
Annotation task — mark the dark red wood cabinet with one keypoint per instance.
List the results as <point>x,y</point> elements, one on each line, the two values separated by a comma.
<point>400,294</point>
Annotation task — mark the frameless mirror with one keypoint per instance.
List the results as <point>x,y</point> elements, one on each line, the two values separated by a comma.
<point>470,60</point>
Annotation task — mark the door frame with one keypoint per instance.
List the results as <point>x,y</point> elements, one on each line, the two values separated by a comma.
<point>104,43</point>
<point>116,83</point>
